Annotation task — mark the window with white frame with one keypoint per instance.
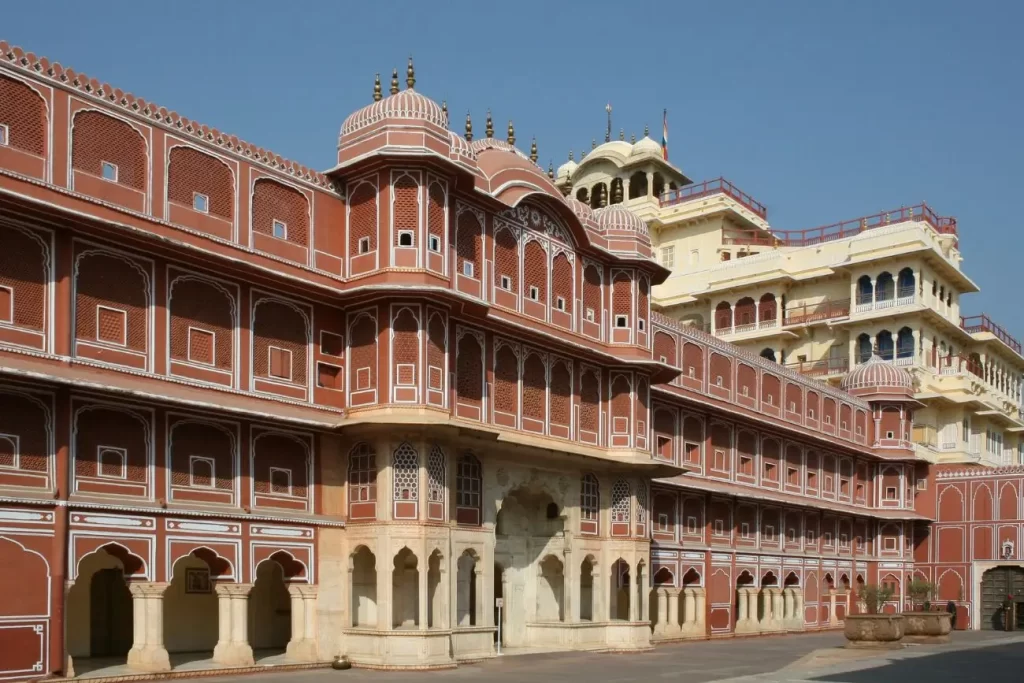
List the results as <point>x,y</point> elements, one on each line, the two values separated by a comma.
<point>201,347</point>
<point>744,530</point>
<point>641,503</point>
<point>590,498</point>
<point>436,474</point>
<point>201,472</point>
<point>620,501</point>
<point>111,325</point>
<point>719,528</point>
<point>363,245</point>
<point>279,229</point>
<point>534,293</point>
<point>590,315</point>
<point>279,363</point>
<point>200,202</point>
<point>468,482</point>
<point>691,525</point>
<point>769,533</point>
<point>405,238</point>
<point>434,243</point>
<point>641,324</point>
<point>108,171</point>
<point>10,453</point>
<point>281,481</point>
<point>6,304</point>
<point>560,303</point>
<point>890,493</point>
<point>111,462</point>
<point>5,133</point>
<point>506,283</point>
<point>467,268</point>
<point>405,473</point>
<point>668,256</point>
<point>622,321</point>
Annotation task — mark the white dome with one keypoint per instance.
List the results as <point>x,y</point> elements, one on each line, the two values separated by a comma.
<point>616,149</point>
<point>566,170</point>
<point>645,146</point>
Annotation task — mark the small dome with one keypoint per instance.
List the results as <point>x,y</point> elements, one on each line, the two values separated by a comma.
<point>460,145</point>
<point>582,211</point>
<point>644,147</point>
<point>407,104</point>
<point>494,143</point>
<point>566,170</point>
<point>878,374</point>
<point>615,148</point>
<point>618,218</point>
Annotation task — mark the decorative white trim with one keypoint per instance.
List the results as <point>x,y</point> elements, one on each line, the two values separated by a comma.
<point>192,460</point>
<point>120,452</point>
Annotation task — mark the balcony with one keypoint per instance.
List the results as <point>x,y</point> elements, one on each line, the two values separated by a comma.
<point>904,296</point>
<point>982,323</point>
<point>944,225</point>
<point>806,314</point>
<point>821,368</point>
<point>713,187</point>
<point>748,327</point>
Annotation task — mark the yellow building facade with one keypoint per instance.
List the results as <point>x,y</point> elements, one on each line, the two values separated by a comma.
<point>821,301</point>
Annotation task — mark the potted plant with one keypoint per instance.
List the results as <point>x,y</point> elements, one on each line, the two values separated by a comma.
<point>874,629</point>
<point>921,625</point>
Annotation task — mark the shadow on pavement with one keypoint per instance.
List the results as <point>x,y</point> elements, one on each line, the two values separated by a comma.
<point>996,664</point>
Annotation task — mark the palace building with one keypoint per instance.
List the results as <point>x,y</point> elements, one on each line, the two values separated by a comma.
<point>274,415</point>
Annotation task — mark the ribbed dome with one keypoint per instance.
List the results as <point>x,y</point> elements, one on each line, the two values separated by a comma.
<point>618,218</point>
<point>582,211</point>
<point>614,148</point>
<point>407,104</point>
<point>494,143</point>
<point>644,147</point>
<point>566,170</point>
<point>877,374</point>
<point>460,145</point>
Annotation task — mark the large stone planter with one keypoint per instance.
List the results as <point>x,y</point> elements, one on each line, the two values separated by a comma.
<point>927,627</point>
<point>875,631</point>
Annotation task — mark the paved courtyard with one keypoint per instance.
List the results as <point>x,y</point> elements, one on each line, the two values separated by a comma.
<point>972,656</point>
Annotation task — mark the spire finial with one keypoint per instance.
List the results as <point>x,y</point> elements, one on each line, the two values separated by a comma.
<point>410,74</point>
<point>533,150</point>
<point>647,130</point>
<point>608,130</point>
<point>511,133</point>
<point>551,170</point>
<point>394,81</point>
<point>444,109</point>
<point>489,128</point>
<point>376,89</point>
<point>570,155</point>
<point>469,128</point>
<point>632,138</point>
<point>593,143</point>
<point>622,134</point>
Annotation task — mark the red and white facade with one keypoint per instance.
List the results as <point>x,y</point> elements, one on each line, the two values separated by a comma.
<point>378,398</point>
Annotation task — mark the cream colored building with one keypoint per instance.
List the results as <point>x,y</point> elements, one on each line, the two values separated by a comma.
<point>819,301</point>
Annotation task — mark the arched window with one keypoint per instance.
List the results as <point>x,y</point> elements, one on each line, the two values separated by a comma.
<point>723,316</point>
<point>768,354</point>
<point>641,503</point>
<point>590,498</point>
<point>582,195</point>
<point>745,310</point>
<point>620,501</point>
<point>886,347</point>
<point>362,474</point>
<point>435,475</point>
<point>405,466</point>
<point>864,348</point>
<point>885,288</point>
<point>638,185</point>
<point>767,308</point>
<point>467,482</point>
<point>905,283</point>
<point>905,343</point>
<point>864,289</point>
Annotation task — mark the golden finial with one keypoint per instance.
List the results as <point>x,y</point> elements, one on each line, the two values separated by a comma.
<point>602,197</point>
<point>410,75</point>
<point>511,133</point>
<point>489,128</point>
<point>444,109</point>
<point>622,134</point>
<point>394,81</point>
<point>533,150</point>
<point>617,192</point>
<point>647,131</point>
<point>376,89</point>
<point>469,128</point>
<point>632,139</point>
<point>551,170</point>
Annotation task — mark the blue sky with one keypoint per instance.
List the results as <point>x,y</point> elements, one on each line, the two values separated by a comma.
<point>823,111</point>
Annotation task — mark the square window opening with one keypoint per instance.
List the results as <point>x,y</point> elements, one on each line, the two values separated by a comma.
<point>506,283</point>
<point>405,238</point>
<point>108,171</point>
<point>364,245</point>
<point>467,268</point>
<point>200,202</point>
<point>111,326</point>
<point>280,363</point>
<point>279,229</point>
<point>4,134</point>
<point>6,304</point>
<point>622,321</point>
<point>590,315</point>
<point>640,324</point>
<point>434,243</point>
<point>534,293</point>
<point>560,303</point>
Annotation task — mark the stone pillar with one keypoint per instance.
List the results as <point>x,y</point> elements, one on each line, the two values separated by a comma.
<point>661,627</point>
<point>570,587</point>
<point>767,622</point>
<point>303,644</point>
<point>701,607</point>
<point>650,184</point>
<point>634,608</point>
<point>673,609</point>
<point>148,652</point>
<point>692,617</point>
<point>746,621</point>
<point>788,607</point>
<point>233,647</point>
<point>833,620</point>
<point>778,609</point>
<point>800,613</point>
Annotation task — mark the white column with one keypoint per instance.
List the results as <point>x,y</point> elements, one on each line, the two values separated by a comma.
<point>233,647</point>
<point>148,652</point>
<point>661,625</point>
<point>741,610</point>
<point>833,619</point>
<point>701,605</point>
<point>302,646</point>
<point>767,621</point>
<point>673,609</point>
<point>778,608</point>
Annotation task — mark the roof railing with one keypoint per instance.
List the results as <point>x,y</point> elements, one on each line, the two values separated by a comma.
<point>944,225</point>
<point>983,323</point>
<point>711,187</point>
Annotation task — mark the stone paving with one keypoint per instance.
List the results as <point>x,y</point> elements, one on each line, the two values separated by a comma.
<point>819,657</point>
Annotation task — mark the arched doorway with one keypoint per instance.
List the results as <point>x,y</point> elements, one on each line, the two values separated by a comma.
<point>619,591</point>
<point>998,585</point>
<point>99,610</point>
<point>587,588</point>
<point>405,590</point>
<point>191,610</point>
<point>363,573</point>
<point>270,609</point>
